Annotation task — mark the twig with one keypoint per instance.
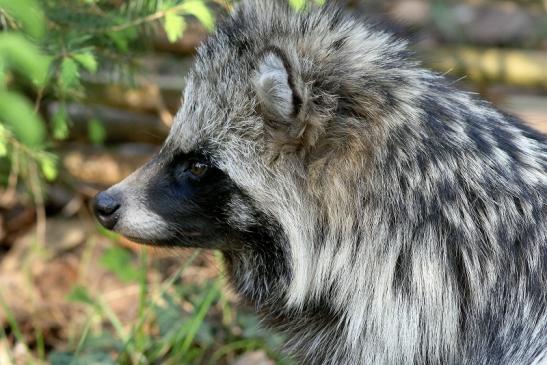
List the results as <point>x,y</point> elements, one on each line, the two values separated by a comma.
<point>146,19</point>
<point>39,201</point>
<point>39,99</point>
<point>9,195</point>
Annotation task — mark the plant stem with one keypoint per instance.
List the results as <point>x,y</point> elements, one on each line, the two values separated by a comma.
<point>146,19</point>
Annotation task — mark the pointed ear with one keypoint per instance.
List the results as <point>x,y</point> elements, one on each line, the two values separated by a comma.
<point>273,86</point>
<point>294,123</point>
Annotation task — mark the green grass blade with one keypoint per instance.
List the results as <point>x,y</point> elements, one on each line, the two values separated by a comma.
<point>196,321</point>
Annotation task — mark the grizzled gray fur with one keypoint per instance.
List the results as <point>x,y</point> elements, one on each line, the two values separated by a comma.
<point>365,208</point>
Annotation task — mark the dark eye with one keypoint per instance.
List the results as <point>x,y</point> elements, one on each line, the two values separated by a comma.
<point>197,168</point>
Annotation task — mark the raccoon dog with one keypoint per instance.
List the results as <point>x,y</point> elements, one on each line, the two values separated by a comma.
<point>364,207</point>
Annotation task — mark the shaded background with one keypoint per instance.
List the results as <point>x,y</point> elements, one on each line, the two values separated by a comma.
<point>88,90</point>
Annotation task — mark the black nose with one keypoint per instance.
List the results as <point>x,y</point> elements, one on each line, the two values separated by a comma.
<point>106,206</point>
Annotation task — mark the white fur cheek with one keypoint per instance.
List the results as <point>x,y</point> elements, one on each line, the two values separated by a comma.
<point>141,223</point>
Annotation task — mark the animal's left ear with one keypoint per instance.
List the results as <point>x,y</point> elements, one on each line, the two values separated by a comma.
<point>274,86</point>
<point>284,103</point>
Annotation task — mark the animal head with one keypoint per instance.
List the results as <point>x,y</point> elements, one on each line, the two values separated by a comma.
<point>281,114</point>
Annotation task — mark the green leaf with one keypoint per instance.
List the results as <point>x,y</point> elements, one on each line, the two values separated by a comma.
<point>201,12</point>
<point>28,13</point>
<point>59,123</point>
<point>70,73</point>
<point>3,141</point>
<point>174,26</point>
<point>2,74</point>
<point>120,262</point>
<point>121,39</point>
<point>18,115</point>
<point>20,54</point>
<point>121,42</point>
<point>96,131</point>
<point>87,60</point>
<point>80,294</point>
<point>48,165</point>
<point>297,4</point>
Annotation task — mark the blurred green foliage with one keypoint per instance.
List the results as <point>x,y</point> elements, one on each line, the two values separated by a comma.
<point>47,47</point>
<point>205,331</point>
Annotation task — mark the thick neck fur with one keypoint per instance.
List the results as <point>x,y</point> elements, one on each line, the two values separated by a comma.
<point>431,248</point>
